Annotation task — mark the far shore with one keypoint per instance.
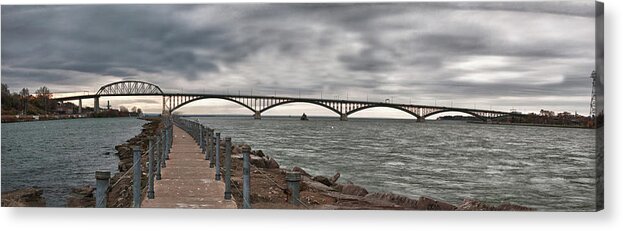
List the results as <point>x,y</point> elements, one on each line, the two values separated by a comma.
<point>34,118</point>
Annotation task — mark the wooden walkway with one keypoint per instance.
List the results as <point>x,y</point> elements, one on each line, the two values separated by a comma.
<point>188,181</point>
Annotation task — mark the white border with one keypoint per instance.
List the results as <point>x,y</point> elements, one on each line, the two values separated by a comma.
<point>167,219</point>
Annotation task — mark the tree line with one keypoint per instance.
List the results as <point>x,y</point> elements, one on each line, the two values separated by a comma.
<point>23,102</point>
<point>41,103</point>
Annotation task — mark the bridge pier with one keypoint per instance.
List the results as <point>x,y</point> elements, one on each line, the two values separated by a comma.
<point>343,117</point>
<point>80,106</point>
<point>257,115</point>
<point>421,119</point>
<point>96,104</point>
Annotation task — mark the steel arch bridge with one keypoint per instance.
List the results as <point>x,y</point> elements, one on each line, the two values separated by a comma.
<point>259,104</point>
<point>130,87</point>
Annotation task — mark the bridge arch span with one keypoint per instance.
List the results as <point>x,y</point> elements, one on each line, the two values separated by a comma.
<point>212,97</point>
<point>455,110</point>
<point>386,106</point>
<point>130,87</point>
<point>301,101</point>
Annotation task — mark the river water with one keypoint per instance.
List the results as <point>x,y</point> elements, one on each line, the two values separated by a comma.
<point>545,168</point>
<point>58,155</point>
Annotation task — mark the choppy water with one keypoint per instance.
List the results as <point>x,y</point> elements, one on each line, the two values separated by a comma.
<point>61,154</point>
<point>540,167</point>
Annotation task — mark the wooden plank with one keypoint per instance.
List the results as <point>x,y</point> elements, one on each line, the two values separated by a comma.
<point>188,181</point>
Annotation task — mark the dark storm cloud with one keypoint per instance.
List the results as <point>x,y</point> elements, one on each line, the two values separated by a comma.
<point>459,50</point>
<point>576,8</point>
<point>102,40</point>
<point>34,76</point>
<point>368,61</point>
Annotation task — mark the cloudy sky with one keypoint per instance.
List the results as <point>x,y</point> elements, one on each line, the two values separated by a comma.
<point>524,56</point>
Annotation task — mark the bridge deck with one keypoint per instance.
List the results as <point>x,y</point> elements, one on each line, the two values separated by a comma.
<point>187,181</point>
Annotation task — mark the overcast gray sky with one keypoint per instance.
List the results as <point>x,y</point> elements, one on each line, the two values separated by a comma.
<point>525,55</point>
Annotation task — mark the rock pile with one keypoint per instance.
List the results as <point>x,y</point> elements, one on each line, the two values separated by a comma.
<point>27,197</point>
<point>258,158</point>
<point>352,196</point>
<point>83,197</point>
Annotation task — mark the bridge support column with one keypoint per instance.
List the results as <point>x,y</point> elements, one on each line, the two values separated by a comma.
<point>343,117</point>
<point>164,108</point>
<point>257,115</point>
<point>421,119</point>
<point>96,104</point>
<point>80,106</point>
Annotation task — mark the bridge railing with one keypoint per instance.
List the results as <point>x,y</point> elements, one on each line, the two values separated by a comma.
<point>210,143</point>
<point>154,158</point>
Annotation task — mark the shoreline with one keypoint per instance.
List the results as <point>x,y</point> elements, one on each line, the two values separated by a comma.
<point>530,125</point>
<point>34,118</point>
<point>120,189</point>
<point>120,194</point>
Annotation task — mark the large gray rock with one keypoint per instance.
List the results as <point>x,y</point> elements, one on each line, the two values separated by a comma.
<point>427,203</point>
<point>400,200</point>
<point>28,197</point>
<point>303,172</point>
<point>308,184</point>
<point>82,197</point>
<point>235,149</point>
<point>258,161</point>
<point>473,205</point>
<point>272,163</point>
<point>352,189</point>
<point>323,180</point>
<point>335,178</point>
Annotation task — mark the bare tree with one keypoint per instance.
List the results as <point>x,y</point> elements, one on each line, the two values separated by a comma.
<point>123,109</point>
<point>25,94</point>
<point>44,94</point>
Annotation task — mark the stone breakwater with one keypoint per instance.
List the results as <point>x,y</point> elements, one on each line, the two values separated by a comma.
<point>269,190</point>
<point>27,197</point>
<point>120,194</point>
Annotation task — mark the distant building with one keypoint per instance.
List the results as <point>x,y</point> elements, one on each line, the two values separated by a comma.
<point>64,108</point>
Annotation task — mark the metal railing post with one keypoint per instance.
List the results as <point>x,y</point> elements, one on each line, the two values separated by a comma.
<point>136,187</point>
<point>150,169</point>
<point>217,156</point>
<point>211,140</point>
<point>166,141</point>
<point>164,148</point>
<point>159,164</point>
<point>208,143</point>
<point>227,168</point>
<point>294,185</point>
<point>102,181</point>
<point>201,140</point>
<point>246,178</point>
<point>169,140</point>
